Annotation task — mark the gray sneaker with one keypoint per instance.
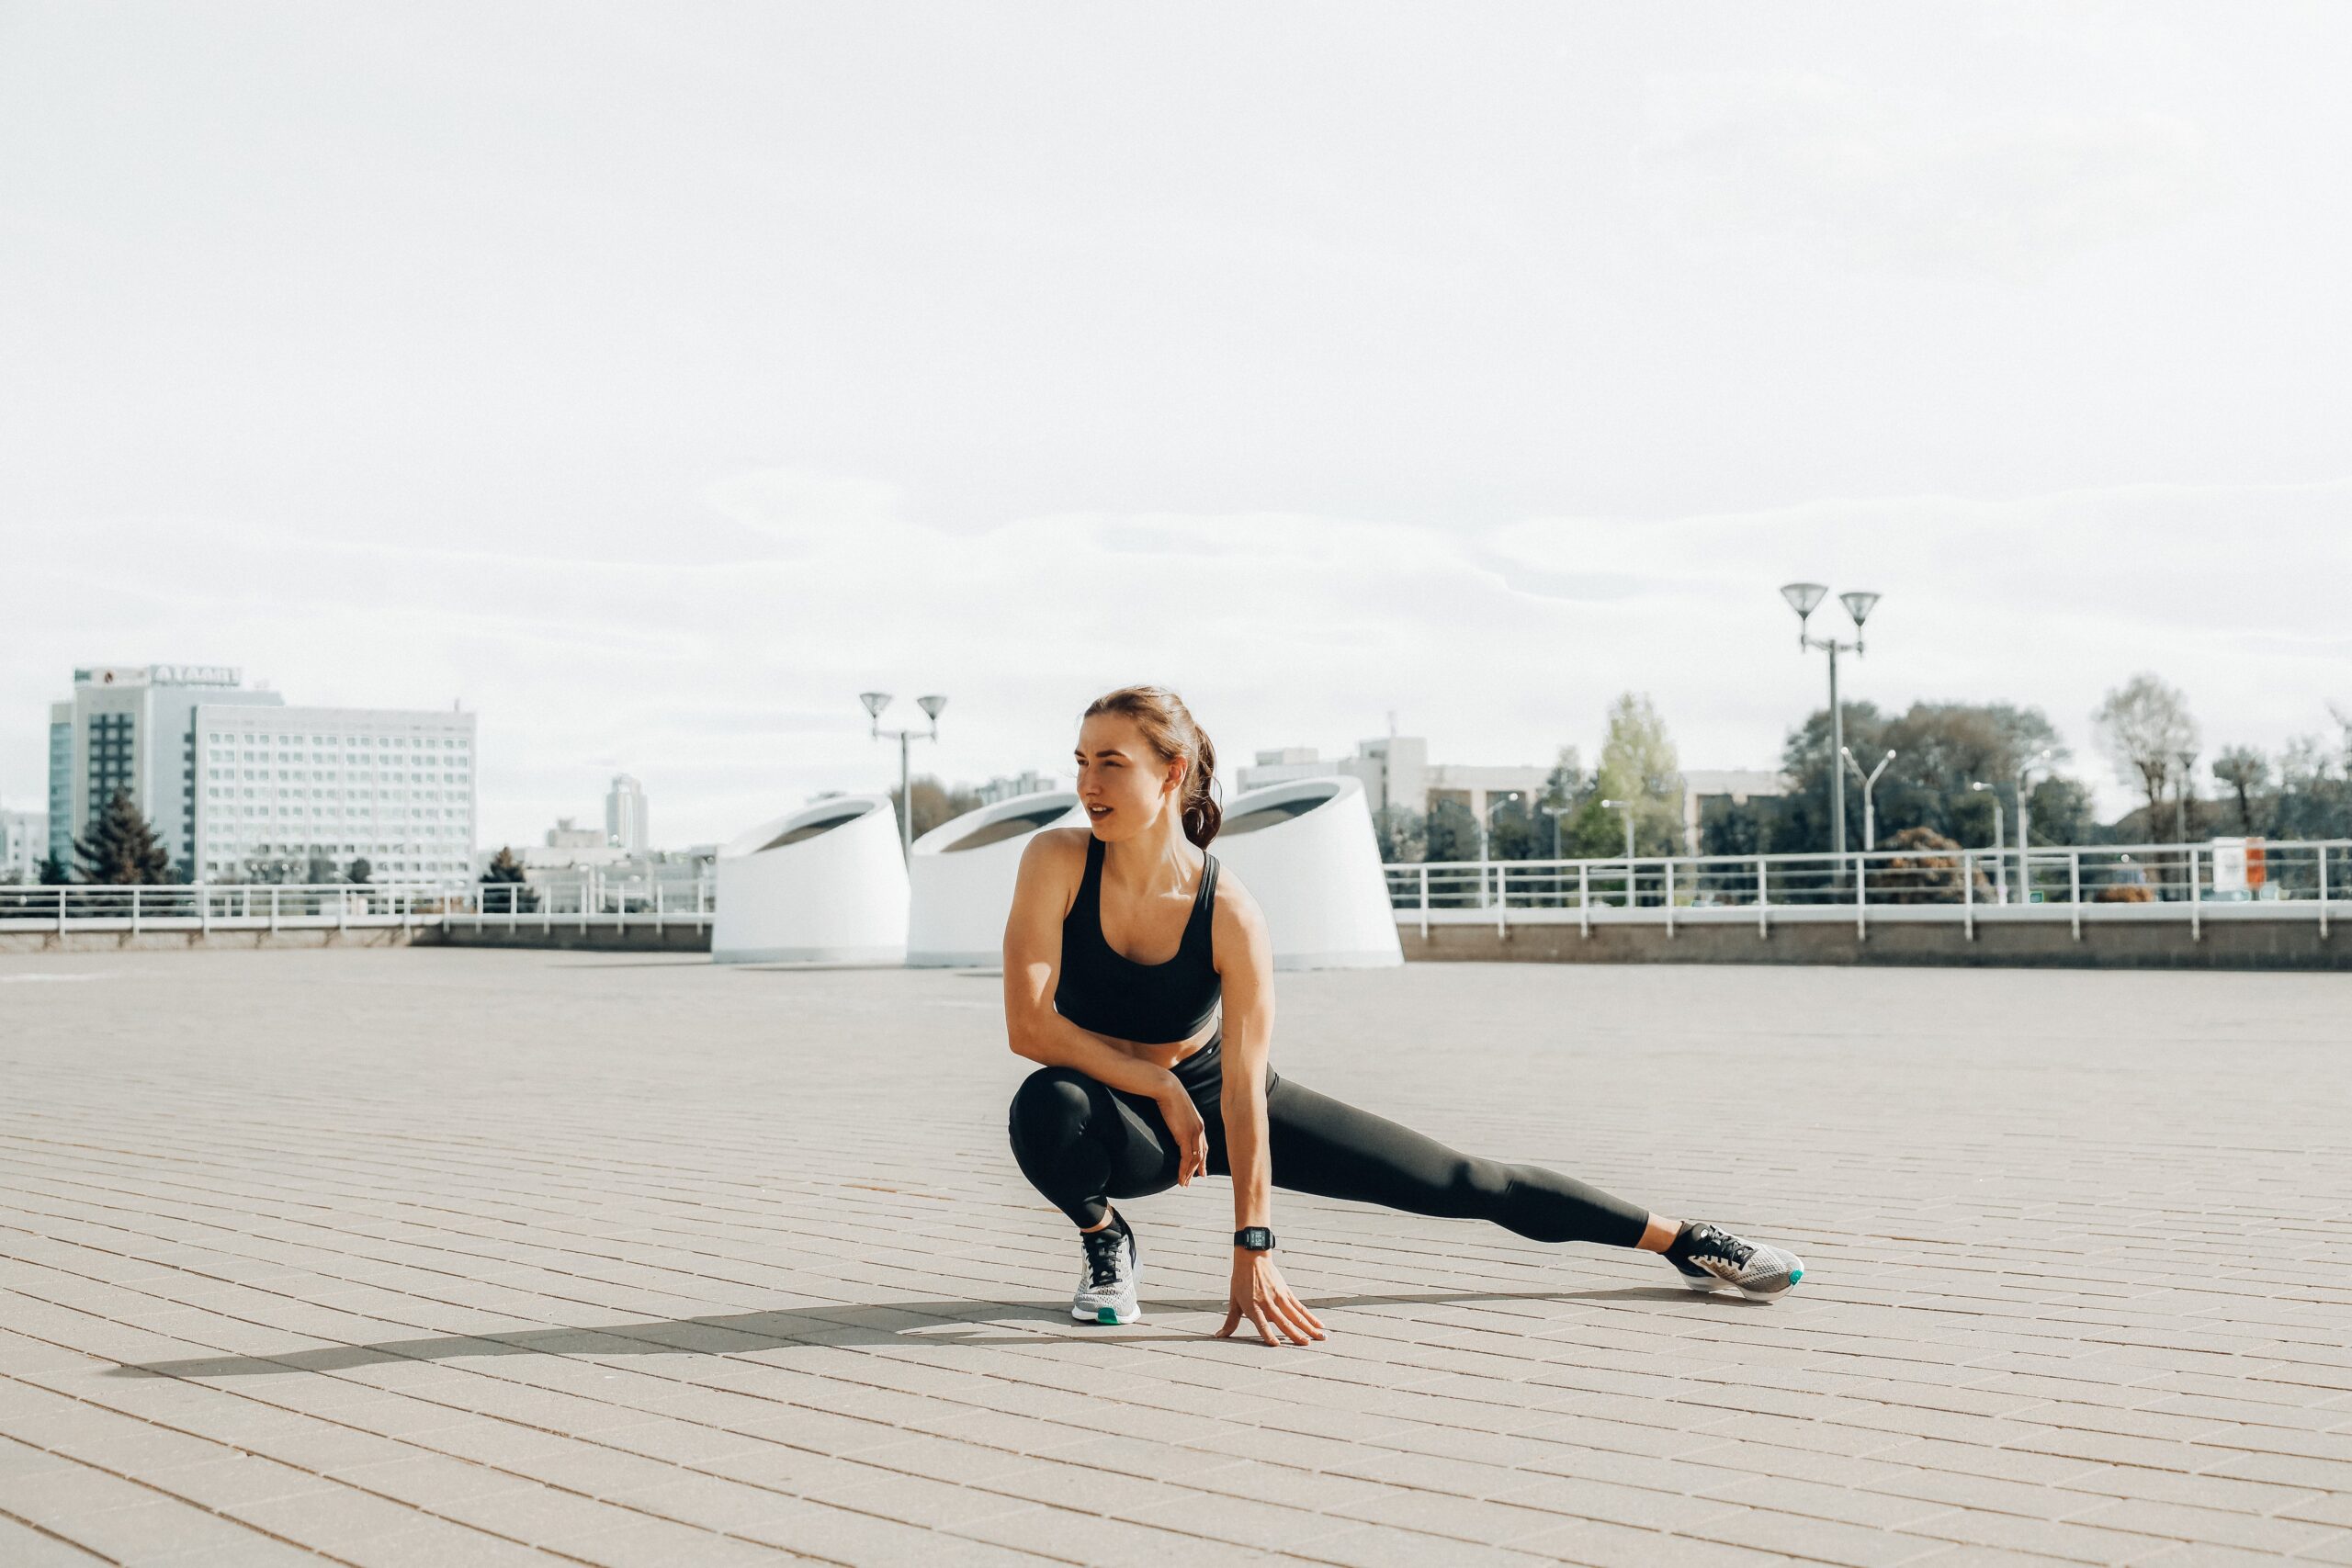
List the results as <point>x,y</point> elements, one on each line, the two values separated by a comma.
<point>1712,1259</point>
<point>1106,1292</point>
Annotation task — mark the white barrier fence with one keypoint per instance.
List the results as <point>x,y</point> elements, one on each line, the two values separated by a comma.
<point>2191,883</point>
<point>2295,880</point>
<point>204,908</point>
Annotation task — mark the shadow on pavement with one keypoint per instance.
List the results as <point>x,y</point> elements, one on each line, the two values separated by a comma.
<point>960,1323</point>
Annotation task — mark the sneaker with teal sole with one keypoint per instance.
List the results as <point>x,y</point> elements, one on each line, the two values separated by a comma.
<point>1106,1290</point>
<point>1710,1259</point>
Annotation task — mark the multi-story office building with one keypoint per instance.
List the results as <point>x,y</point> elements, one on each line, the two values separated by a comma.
<point>627,823</point>
<point>297,785</point>
<point>1395,769</point>
<point>232,779</point>
<point>132,728</point>
<point>23,840</point>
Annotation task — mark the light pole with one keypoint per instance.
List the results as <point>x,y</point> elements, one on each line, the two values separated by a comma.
<point>2025,830</point>
<point>2000,859</point>
<point>1803,597</point>
<point>1625,809</point>
<point>2180,797</point>
<point>875,703</point>
<point>1487,815</point>
<point>1555,813</point>
<point>1869,782</point>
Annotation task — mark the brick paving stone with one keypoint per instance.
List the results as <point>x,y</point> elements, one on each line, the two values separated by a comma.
<point>684,1263</point>
<point>21,1546</point>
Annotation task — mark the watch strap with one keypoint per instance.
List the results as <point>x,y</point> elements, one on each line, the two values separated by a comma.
<point>1254,1238</point>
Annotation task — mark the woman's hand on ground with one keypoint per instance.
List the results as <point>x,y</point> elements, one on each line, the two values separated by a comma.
<point>1191,1136</point>
<point>1259,1294</point>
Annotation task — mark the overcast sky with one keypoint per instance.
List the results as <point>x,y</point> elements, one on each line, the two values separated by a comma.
<point>656,378</point>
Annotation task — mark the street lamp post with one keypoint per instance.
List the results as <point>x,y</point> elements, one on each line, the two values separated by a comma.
<point>2180,798</point>
<point>1555,813</point>
<point>1625,809</point>
<point>875,703</point>
<point>1870,783</point>
<point>2000,857</point>
<point>2025,828</point>
<point>1803,597</point>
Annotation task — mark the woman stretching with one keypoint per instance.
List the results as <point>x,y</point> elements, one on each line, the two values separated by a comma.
<point>1123,940</point>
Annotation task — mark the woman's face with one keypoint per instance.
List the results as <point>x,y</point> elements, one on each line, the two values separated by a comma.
<point>1121,781</point>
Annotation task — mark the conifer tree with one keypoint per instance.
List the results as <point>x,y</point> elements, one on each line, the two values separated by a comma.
<point>505,885</point>
<point>121,846</point>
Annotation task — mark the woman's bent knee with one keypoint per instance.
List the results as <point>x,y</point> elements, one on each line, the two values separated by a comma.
<point>1051,1106</point>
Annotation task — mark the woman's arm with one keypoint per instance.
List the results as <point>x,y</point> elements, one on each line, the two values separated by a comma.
<point>1245,962</point>
<point>1033,961</point>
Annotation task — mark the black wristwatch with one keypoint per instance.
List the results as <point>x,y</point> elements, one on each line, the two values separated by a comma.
<point>1254,1238</point>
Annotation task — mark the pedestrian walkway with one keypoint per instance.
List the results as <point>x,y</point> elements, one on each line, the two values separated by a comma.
<point>443,1256</point>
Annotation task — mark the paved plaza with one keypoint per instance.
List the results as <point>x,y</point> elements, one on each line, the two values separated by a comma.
<point>445,1257</point>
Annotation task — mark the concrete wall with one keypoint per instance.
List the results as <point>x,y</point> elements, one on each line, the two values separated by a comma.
<point>177,941</point>
<point>676,937</point>
<point>2248,944</point>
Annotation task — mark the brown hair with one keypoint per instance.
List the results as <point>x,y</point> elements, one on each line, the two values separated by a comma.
<point>1168,728</point>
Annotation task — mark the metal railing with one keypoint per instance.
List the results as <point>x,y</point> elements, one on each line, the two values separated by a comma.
<point>203,907</point>
<point>2296,880</point>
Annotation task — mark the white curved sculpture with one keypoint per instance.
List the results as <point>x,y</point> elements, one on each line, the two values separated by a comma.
<point>962,873</point>
<point>1306,851</point>
<point>825,884</point>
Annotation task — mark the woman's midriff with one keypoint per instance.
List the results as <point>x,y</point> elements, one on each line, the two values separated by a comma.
<point>1165,1054</point>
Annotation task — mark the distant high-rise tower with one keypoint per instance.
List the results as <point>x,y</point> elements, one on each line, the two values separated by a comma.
<point>624,815</point>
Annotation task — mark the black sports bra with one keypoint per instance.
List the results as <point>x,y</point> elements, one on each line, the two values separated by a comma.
<point>1152,1004</point>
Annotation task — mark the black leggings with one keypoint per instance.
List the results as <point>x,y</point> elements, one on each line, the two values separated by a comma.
<point>1081,1143</point>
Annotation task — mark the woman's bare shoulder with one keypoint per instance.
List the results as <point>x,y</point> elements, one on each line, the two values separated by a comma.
<point>1058,853</point>
<point>1234,905</point>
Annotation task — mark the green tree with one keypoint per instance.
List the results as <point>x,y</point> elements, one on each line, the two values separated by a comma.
<point>1940,749</point>
<point>2061,813</point>
<point>2247,772</point>
<point>1402,835</point>
<point>1638,764</point>
<point>935,803</point>
<point>359,870</point>
<point>53,873</point>
<point>505,886</point>
<point>1450,831</point>
<point>122,848</point>
<point>2144,726</point>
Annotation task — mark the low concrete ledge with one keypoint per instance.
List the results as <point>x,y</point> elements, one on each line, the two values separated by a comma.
<point>176,939</point>
<point>2042,944</point>
<point>671,937</point>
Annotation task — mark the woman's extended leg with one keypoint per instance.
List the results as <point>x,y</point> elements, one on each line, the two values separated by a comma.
<point>1318,1145</point>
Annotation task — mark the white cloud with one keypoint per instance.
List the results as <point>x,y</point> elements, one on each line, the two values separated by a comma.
<point>727,677</point>
<point>1835,170</point>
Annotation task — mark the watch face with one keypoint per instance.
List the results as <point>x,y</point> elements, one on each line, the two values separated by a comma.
<point>1255,1238</point>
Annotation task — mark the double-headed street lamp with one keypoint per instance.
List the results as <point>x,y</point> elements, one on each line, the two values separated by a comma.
<point>1869,782</point>
<point>875,703</point>
<point>1803,597</point>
